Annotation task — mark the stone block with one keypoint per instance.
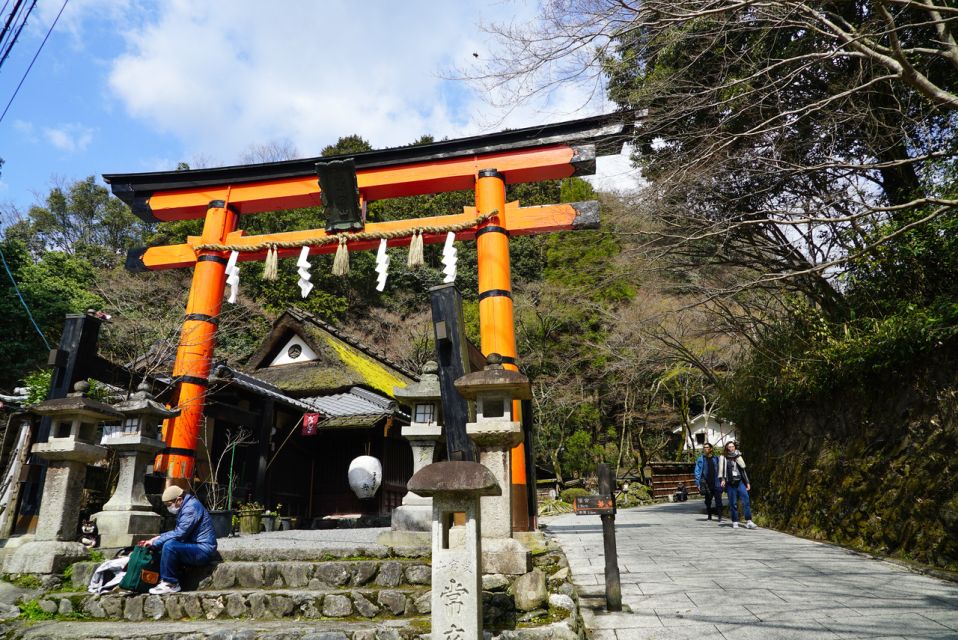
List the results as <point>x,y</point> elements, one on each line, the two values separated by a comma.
<point>327,635</point>
<point>65,607</point>
<point>561,601</point>
<point>81,574</point>
<point>279,606</point>
<point>363,572</point>
<point>419,574</point>
<point>8,611</point>
<point>333,574</point>
<point>48,606</point>
<point>250,575</point>
<point>560,576</point>
<point>44,557</point>
<point>271,575</point>
<point>224,575</point>
<point>530,590</point>
<point>388,634</point>
<point>236,606</point>
<point>390,574</point>
<point>174,608</point>
<point>405,540</point>
<point>112,606</point>
<point>337,606</point>
<point>363,606</point>
<point>213,607</point>
<point>495,582</point>
<point>295,575</point>
<point>133,608</point>
<point>364,634</point>
<point>93,608</point>
<point>504,555</point>
<point>191,605</point>
<point>126,528</point>
<point>308,606</point>
<point>394,601</point>
<point>153,608</point>
<point>423,603</point>
<point>258,605</point>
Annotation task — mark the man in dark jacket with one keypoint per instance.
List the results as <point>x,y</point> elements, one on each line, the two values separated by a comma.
<point>707,480</point>
<point>191,542</point>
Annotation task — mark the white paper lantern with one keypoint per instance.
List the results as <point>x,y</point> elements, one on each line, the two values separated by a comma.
<point>365,475</point>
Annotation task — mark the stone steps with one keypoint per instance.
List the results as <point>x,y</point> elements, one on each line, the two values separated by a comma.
<point>410,629</point>
<point>291,574</point>
<point>257,604</point>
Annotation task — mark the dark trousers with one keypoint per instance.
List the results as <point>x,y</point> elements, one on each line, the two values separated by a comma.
<point>711,495</point>
<point>176,555</point>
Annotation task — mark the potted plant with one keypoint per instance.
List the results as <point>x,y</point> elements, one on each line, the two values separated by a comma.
<point>271,519</point>
<point>219,495</point>
<point>250,516</point>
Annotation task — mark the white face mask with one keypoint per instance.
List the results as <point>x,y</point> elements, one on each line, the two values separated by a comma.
<point>173,509</point>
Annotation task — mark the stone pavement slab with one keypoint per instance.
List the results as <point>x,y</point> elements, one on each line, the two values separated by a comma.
<point>684,577</point>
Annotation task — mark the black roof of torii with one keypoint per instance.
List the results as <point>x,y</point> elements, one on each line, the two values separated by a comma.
<point>607,132</point>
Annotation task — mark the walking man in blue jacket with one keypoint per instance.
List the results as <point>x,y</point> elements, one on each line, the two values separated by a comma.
<point>707,479</point>
<point>192,542</point>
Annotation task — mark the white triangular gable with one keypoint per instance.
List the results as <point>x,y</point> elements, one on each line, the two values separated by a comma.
<point>305,353</point>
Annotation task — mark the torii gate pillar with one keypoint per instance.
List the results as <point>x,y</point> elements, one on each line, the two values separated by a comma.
<point>496,320</point>
<point>195,351</point>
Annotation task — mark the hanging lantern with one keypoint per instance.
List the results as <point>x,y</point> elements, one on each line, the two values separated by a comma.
<point>365,475</point>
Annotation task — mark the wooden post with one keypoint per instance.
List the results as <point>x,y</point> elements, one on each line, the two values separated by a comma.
<point>613,588</point>
<point>453,359</point>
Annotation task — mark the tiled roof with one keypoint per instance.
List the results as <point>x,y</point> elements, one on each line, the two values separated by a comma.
<point>356,408</point>
<point>354,402</point>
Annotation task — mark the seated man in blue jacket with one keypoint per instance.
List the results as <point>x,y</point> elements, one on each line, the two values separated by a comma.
<point>191,542</point>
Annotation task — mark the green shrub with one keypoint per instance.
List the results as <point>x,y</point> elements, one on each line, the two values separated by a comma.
<point>31,610</point>
<point>569,495</point>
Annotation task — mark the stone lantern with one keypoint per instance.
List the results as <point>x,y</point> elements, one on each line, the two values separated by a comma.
<point>128,517</point>
<point>70,447</point>
<point>412,521</point>
<point>495,433</point>
<point>456,488</point>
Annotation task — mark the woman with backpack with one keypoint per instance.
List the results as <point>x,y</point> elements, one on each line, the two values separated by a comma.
<point>734,480</point>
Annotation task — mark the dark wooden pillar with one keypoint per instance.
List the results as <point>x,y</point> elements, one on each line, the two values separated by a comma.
<point>267,418</point>
<point>452,354</point>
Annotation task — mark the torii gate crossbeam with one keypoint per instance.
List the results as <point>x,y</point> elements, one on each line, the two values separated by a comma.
<point>484,163</point>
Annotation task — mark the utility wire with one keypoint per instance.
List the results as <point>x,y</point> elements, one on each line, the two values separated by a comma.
<point>12,39</point>
<point>11,17</point>
<point>22,301</point>
<point>35,56</point>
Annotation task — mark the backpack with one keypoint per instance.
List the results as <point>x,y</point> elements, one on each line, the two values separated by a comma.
<point>142,571</point>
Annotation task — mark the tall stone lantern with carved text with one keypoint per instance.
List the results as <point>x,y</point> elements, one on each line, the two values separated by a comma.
<point>495,433</point>
<point>128,517</point>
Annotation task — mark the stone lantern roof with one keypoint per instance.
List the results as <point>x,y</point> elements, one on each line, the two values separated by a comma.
<point>423,391</point>
<point>454,477</point>
<point>494,378</point>
<point>142,402</point>
<point>77,403</point>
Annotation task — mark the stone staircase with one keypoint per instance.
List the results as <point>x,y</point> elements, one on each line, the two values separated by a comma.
<point>290,592</point>
<point>284,594</point>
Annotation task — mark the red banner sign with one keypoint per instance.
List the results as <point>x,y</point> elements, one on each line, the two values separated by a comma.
<point>310,424</point>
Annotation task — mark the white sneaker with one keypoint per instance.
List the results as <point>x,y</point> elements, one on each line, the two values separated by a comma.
<point>734,526</point>
<point>751,525</point>
<point>164,588</point>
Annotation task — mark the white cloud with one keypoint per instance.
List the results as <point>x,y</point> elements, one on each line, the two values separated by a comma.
<point>221,75</point>
<point>69,137</point>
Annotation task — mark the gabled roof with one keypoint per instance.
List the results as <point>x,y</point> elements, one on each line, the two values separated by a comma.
<point>342,361</point>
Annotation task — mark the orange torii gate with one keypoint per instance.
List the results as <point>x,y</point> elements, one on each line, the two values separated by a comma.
<point>483,163</point>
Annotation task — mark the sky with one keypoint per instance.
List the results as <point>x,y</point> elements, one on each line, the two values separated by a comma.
<point>132,85</point>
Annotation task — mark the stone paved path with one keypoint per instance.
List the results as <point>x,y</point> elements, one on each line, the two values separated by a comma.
<point>684,577</point>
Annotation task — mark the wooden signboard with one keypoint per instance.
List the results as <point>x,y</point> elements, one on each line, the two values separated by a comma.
<point>594,505</point>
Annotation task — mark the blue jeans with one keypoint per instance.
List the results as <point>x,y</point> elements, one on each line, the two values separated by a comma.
<point>734,493</point>
<point>176,554</point>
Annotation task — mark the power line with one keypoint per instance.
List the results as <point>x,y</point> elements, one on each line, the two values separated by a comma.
<point>35,56</point>
<point>12,39</point>
<point>22,301</point>
<point>11,18</point>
